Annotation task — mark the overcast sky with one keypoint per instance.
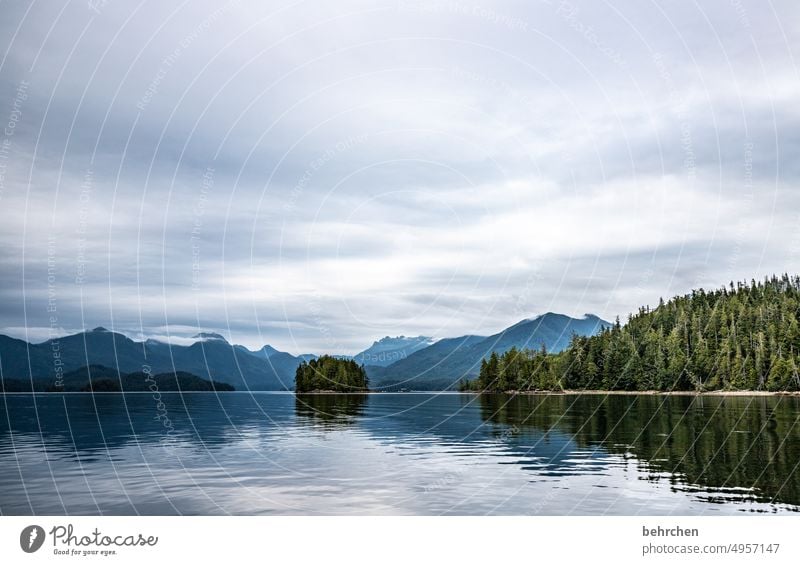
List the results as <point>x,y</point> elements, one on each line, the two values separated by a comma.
<point>316,175</point>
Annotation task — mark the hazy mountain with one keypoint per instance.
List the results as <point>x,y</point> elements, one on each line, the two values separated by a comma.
<point>388,350</point>
<point>441,365</point>
<point>15,361</point>
<point>266,351</point>
<point>418,363</point>
<point>216,359</point>
<point>209,336</point>
<point>554,331</point>
<point>211,358</point>
<point>428,368</point>
<point>103,379</point>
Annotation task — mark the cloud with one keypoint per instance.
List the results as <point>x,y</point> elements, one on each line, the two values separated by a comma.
<point>314,176</point>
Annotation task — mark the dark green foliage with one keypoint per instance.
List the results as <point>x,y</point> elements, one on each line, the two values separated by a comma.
<point>330,410</point>
<point>680,439</point>
<point>441,365</point>
<point>518,370</point>
<point>743,337</point>
<point>331,374</point>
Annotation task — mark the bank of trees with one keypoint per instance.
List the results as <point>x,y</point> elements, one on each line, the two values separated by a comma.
<point>740,337</point>
<point>329,373</point>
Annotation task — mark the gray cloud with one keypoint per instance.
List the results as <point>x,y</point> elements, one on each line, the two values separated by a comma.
<point>314,176</point>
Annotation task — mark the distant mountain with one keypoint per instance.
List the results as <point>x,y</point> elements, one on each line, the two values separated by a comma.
<point>442,365</point>
<point>211,358</point>
<point>96,378</point>
<point>554,331</point>
<point>427,369</point>
<point>414,363</point>
<point>15,361</point>
<point>209,336</point>
<point>267,351</point>
<point>388,350</point>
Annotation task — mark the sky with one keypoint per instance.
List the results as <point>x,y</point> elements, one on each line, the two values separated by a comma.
<point>317,175</point>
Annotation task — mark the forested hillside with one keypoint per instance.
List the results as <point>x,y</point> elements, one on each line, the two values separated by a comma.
<point>740,337</point>
<point>330,374</point>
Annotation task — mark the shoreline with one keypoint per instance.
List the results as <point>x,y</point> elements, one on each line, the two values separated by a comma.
<point>593,392</point>
<point>656,392</point>
<point>508,393</point>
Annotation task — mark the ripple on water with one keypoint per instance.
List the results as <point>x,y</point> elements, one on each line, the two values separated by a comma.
<point>398,454</point>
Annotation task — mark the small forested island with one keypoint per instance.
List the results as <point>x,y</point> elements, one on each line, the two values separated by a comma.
<point>744,337</point>
<point>330,374</point>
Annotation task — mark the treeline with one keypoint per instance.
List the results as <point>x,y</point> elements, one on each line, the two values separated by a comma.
<point>329,373</point>
<point>740,337</point>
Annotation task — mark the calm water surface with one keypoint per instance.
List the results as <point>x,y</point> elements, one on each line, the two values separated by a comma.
<point>239,453</point>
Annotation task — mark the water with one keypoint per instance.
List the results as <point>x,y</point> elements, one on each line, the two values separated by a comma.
<point>238,453</point>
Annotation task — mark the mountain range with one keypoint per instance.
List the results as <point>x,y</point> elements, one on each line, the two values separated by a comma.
<point>211,357</point>
<point>388,350</point>
<point>392,363</point>
<point>443,364</point>
<point>96,378</point>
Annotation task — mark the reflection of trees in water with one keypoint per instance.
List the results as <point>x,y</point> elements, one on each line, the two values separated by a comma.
<point>330,410</point>
<point>725,443</point>
<point>714,445</point>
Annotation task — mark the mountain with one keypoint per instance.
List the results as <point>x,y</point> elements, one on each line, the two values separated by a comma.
<point>387,350</point>
<point>743,337</point>
<point>103,379</point>
<point>427,369</point>
<point>442,365</point>
<point>392,363</point>
<point>209,336</point>
<point>15,361</point>
<point>266,351</point>
<point>210,358</point>
<point>553,331</point>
